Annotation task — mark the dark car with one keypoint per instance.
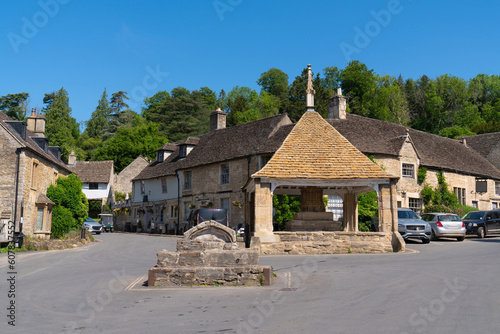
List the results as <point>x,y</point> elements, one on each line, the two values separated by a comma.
<point>482,223</point>
<point>204,214</point>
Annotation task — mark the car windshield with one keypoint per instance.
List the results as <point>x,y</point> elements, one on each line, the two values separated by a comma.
<point>475,215</point>
<point>407,214</point>
<point>449,218</point>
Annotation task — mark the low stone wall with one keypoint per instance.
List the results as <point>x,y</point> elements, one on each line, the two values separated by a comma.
<point>56,244</point>
<point>329,243</point>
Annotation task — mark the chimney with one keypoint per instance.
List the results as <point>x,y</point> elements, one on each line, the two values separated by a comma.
<point>72,158</point>
<point>36,124</point>
<point>464,141</point>
<point>337,105</point>
<point>217,120</point>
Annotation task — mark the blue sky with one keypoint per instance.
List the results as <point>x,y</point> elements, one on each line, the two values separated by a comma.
<point>144,46</point>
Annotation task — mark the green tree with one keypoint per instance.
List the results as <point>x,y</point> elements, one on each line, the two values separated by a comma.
<point>99,120</point>
<point>14,105</point>
<point>61,129</point>
<point>130,142</point>
<point>367,209</point>
<point>359,84</point>
<point>275,82</point>
<point>331,79</point>
<point>72,206</point>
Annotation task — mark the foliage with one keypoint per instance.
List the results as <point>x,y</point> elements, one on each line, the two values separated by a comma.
<point>14,105</point>
<point>421,174</point>
<point>459,210</point>
<point>367,209</point>
<point>441,195</point>
<point>128,143</point>
<point>285,207</point>
<point>72,206</point>
<point>99,120</point>
<point>95,205</point>
<point>120,196</point>
<point>456,131</point>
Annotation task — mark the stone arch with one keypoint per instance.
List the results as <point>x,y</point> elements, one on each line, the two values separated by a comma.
<point>211,231</point>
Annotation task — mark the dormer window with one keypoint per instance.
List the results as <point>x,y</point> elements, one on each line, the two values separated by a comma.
<point>409,171</point>
<point>159,158</point>
<point>182,151</point>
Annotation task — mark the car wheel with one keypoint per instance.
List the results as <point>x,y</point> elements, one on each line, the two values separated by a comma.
<point>98,233</point>
<point>460,238</point>
<point>480,232</point>
<point>426,241</point>
<point>433,236</point>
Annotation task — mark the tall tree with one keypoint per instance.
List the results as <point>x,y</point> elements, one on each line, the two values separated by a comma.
<point>61,129</point>
<point>14,105</point>
<point>275,82</point>
<point>359,84</point>
<point>99,120</point>
<point>118,101</point>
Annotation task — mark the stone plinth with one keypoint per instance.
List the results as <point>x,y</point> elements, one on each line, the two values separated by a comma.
<point>313,221</point>
<point>209,255</point>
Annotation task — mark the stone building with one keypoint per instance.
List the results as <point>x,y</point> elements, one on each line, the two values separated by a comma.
<point>212,169</point>
<point>28,166</point>
<point>123,181</point>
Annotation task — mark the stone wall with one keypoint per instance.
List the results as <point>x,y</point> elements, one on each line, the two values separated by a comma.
<point>329,243</point>
<point>123,180</point>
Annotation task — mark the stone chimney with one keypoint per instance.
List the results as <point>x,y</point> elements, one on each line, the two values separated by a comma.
<point>36,123</point>
<point>217,120</point>
<point>337,105</point>
<point>72,158</point>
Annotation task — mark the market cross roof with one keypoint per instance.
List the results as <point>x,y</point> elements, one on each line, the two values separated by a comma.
<point>315,150</point>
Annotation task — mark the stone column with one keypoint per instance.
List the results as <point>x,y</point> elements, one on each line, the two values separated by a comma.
<point>388,214</point>
<point>351,212</point>
<point>264,212</point>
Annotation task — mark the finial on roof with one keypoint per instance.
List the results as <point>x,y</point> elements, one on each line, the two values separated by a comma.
<point>310,90</point>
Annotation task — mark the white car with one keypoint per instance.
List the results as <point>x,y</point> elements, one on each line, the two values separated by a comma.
<point>92,226</point>
<point>447,225</point>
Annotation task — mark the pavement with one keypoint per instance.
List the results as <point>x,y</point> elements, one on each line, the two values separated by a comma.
<point>442,287</point>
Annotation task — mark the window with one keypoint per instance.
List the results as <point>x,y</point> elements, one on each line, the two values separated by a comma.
<point>335,205</point>
<point>263,160</point>
<point>224,174</point>
<point>173,211</point>
<point>474,204</point>
<point>164,185</point>
<point>415,204</point>
<point>481,186</point>
<point>497,188</point>
<point>494,205</point>
<point>460,193</point>
<point>55,176</point>
<point>399,204</point>
<point>159,213</point>
<point>93,186</point>
<point>143,188</point>
<point>409,171</point>
<point>34,175</point>
<point>182,151</point>
<point>187,180</point>
<point>39,219</point>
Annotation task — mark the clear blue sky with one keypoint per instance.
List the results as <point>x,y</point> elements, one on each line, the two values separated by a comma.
<point>86,46</point>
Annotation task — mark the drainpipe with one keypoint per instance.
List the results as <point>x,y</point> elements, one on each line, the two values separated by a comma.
<point>18,152</point>
<point>178,199</point>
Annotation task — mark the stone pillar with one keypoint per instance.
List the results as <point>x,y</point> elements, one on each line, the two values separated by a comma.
<point>312,200</point>
<point>388,214</point>
<point>351,212</point>
<point>263,212</point>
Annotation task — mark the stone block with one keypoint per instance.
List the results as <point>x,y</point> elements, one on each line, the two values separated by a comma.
<point>167,259</point>
<point>191,258</point>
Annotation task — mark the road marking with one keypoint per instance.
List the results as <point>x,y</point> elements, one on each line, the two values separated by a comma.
<point>131,285</point>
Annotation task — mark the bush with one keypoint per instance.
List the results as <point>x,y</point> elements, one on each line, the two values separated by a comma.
<point>62,221</point>
<point>459,210</point>
<point>367,209</point>
<point>285,207</point>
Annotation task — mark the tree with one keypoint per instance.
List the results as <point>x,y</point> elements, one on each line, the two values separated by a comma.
<point>285,207</point>
<point>391,104</point>
<point>130,142</point>
<point>244,104</point>
<point>331,79</point>
<point>296,98</point>
<point>14,105</point>
<point>359,84</point>
<point>72,206</point>
<point>99,120</point>
<point>367,209</point>
<point>61,129</point>
<point>118,101</point>
<point>275,82</point>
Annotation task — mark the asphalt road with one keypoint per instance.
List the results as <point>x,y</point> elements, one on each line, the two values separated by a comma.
<point>443,287</point>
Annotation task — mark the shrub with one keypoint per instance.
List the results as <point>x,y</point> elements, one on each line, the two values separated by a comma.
<point>62,221</point>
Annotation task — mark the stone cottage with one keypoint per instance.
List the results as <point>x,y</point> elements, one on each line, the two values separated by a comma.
<point>28,166</point>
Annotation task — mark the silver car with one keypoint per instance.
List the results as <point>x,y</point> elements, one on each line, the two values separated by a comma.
<point>446,225</point>
<point>410,226</point>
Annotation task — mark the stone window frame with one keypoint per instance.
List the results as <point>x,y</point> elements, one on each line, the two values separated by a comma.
<point>408,170</point>
<point>415,204</point>
<point>34,174</point>
<point>164,187</point>
<point>497,188</point>
<point>46,219</point>
<point>474,204</point>
<point>187,180</point>
<point>460,194</point>
<point>494,205</point>
<point>224,174</point>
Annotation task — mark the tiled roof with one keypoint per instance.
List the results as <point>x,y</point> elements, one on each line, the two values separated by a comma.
<point>373,136</point>
<point>315,150</point>
<point>171,147</point>
<point>259,137</point>
<point>42,199</point>
<point>484,143</point>
<point>93,171</point>
<point>30,143</point>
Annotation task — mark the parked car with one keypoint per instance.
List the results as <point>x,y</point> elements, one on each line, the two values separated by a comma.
<point>482,223</point>
<point>92,226</point>
<point>445,225</point>
<point>201,215</point>
<point>410,226</point>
